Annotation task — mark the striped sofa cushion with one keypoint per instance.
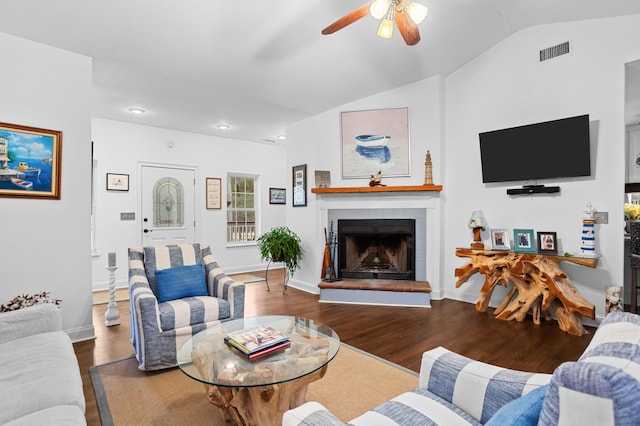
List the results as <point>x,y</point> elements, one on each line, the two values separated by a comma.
<point>478,388</point>
<point>603,386</point>
<point>416,407</point>
<point>310,413</point>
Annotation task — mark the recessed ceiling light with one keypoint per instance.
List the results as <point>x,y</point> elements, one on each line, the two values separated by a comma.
<point>281,137</point>
<point>223,126</point>
<point>137,111</point>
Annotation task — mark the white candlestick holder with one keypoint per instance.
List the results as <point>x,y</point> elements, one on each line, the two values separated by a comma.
<point>112,316</point>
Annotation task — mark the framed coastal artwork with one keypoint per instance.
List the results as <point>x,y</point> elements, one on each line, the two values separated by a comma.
<point>277,196</point>
<point>375,140</point>
<point>30,162</point>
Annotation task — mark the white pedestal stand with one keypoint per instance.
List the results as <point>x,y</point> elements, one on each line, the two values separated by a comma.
<point>112,316</point>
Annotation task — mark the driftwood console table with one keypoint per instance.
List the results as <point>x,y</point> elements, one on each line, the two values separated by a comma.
<point>539,286</point>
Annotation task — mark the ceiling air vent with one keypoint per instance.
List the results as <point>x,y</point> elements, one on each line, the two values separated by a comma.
<point>554,51</point>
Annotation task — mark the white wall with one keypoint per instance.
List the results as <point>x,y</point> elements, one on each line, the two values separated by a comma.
<point>45,243</point>
<point>507,86</point>
<point>121,147</point>
<point>316,142</point>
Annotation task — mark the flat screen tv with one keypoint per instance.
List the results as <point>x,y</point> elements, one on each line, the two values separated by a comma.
<point>547,150</point>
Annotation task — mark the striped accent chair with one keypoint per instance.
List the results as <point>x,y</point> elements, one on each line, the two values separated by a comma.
<point>158,328</point>
<point>601,388</point>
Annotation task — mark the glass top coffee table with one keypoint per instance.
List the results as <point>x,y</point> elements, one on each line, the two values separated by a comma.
<point>259,391</point>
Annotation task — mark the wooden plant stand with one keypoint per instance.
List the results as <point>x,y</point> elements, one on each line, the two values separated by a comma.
<point>539,286</point>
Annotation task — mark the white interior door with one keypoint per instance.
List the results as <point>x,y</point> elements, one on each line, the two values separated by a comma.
<point>168,211</point>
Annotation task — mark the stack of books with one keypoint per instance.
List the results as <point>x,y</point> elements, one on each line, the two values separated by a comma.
<point>257,341</point>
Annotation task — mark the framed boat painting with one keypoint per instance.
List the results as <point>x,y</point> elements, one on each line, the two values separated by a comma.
<point>375,140</point>
<point>30,162</point>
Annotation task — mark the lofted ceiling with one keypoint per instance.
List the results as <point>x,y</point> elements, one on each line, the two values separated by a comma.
<point>260,65</point>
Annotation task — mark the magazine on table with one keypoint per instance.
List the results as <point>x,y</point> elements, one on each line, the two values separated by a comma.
<point>266,351</point>
<point>255,339</point>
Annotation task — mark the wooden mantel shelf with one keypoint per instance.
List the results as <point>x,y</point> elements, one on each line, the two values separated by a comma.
<point>361,189</point>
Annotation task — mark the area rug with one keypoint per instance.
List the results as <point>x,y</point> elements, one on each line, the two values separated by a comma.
<point>355,382</point>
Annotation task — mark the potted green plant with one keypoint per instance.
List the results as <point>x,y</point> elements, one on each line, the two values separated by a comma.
<point>281,244</point>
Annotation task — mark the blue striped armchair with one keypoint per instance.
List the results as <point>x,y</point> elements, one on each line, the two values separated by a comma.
<point>170,301</point>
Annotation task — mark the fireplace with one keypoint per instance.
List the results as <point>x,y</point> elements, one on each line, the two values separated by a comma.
<point>376,248</point>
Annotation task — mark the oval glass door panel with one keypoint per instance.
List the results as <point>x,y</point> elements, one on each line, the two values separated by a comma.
<point>168,203</point>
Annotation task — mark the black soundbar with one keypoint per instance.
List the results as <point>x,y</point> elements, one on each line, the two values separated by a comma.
<point>533,189</point>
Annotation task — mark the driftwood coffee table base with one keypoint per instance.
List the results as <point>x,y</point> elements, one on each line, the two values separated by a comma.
<point>258,391</point>
<point>260,405</point>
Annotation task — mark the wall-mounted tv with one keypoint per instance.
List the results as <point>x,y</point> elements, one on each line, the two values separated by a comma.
<point>547,150</point>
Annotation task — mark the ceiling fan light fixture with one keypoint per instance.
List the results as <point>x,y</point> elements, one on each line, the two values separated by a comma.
<point>417,12</point>
<point>379,9</point>
<point>385,30</point>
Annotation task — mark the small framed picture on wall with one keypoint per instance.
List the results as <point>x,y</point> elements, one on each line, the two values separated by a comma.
<point>117,182</point>
<point>299,183</point>
<point>214,193</point>
<point>277,196</point>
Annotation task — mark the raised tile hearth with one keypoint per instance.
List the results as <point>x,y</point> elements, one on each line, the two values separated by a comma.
<point>377,292</point>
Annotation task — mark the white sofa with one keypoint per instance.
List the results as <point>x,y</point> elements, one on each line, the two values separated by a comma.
<point>601,388</point>
<point>40,381</point>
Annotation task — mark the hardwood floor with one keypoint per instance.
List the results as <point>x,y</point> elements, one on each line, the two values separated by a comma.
<point>397,334</point>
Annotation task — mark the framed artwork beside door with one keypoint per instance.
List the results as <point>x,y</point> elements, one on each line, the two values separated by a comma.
<point>214,193</point>
<point>117,182</point>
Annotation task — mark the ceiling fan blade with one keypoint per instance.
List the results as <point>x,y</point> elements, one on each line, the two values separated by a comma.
<point>348,19</point>
<point>408,29</point>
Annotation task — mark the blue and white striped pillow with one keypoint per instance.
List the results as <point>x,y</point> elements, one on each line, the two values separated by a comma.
<point>603,386</point>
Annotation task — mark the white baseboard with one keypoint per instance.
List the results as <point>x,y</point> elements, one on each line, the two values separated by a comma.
<point>81,334</point>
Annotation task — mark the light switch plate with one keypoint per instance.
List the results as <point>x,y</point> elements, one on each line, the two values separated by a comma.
<point>601,217</point>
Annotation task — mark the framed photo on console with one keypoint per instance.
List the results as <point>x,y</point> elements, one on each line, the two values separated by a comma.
<point>500,239</point>
<point>524,241</point>
<point>547,243</point>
